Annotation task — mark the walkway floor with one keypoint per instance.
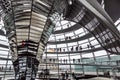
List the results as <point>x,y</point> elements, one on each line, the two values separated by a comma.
<point>98,78</point>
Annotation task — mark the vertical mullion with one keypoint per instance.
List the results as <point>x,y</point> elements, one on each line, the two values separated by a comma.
<point>30,21</point>
<point>57,58</point>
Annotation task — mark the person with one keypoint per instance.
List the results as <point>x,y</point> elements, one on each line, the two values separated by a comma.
<point>64,50</point>
<point>69,37</point>
<point>64,60</point>
<point>88,46</point>
<point>73,60</point>
<point>66,38</point>
<point>73,75</point>
<point>108,74</point>
<point>66,75</point>
<point>2,68</point>
<point>60,49</point>
<point>72,48</point>
<point>9,68</point>
<point>76,48</point>
<point>57,49</point>
<point>63,76</point>
<point>40,74</point>
<point>80,47</point>
<point>22,77</point>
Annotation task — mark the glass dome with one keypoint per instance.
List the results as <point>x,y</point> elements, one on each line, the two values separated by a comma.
<point>62,36</point>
